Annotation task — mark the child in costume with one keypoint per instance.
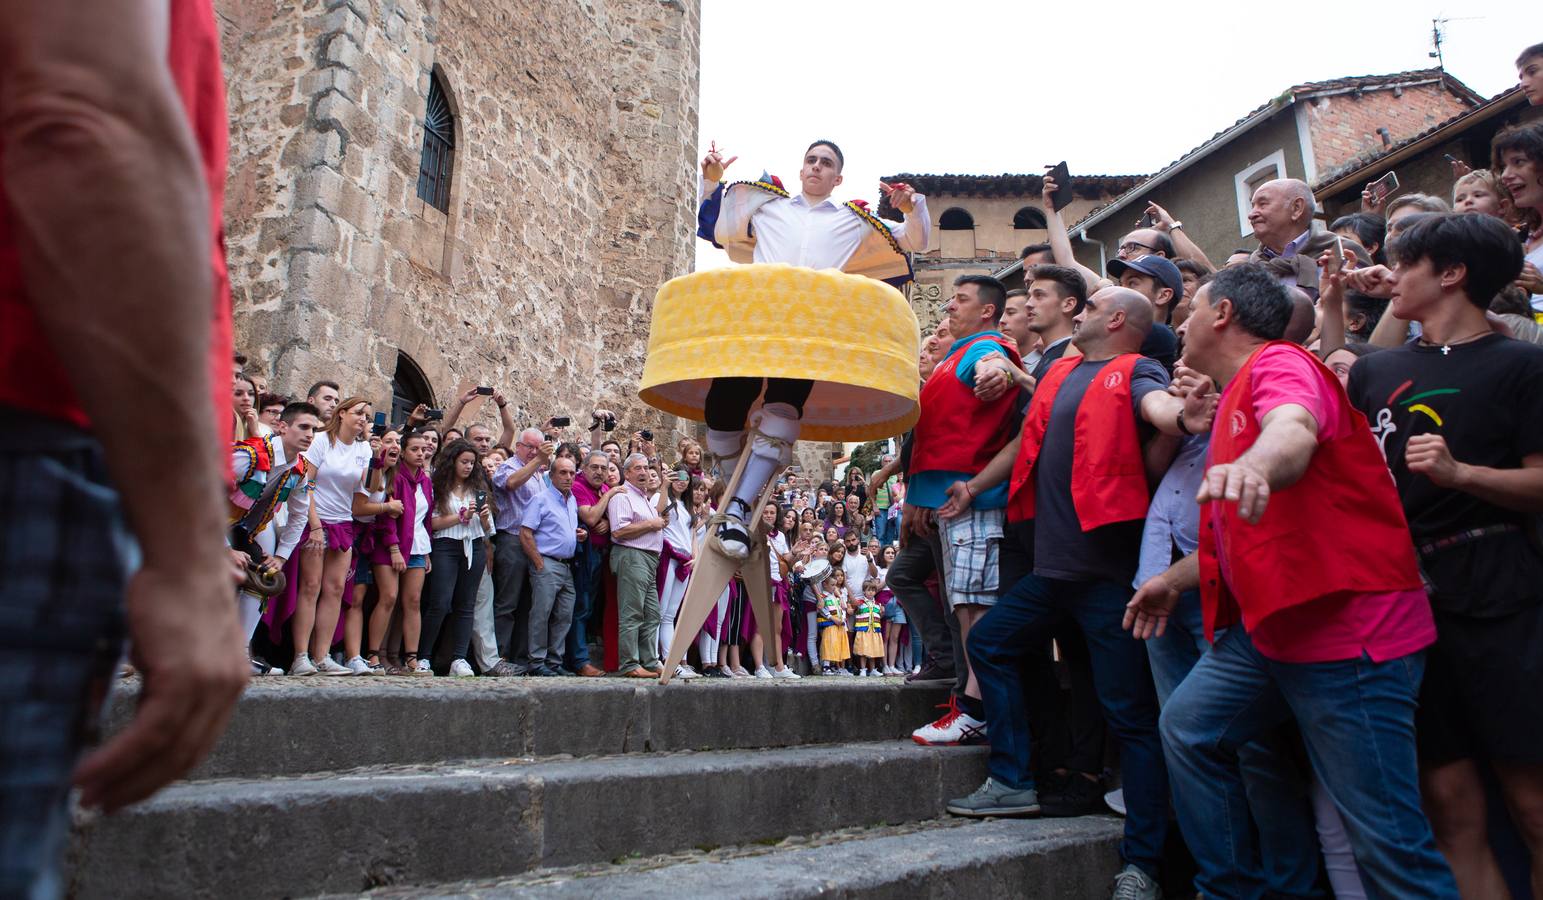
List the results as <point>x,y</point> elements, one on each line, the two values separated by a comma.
<point>869,646</point>
<point>834,650</point>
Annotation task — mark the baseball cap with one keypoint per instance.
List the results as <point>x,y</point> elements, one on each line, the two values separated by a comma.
<point>1166,273</point>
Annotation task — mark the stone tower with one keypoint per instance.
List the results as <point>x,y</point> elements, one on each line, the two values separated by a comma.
<point>428,193</point>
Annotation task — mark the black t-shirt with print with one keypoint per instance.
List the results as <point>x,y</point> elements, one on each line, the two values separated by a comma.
<point>1485,398</point>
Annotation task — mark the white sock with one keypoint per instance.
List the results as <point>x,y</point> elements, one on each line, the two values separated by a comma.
<point>726,445</point>
<point>250,608</point>
<point>780,421</point>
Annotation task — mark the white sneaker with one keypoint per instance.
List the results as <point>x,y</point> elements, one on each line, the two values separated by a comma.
<point>461,669</point>
<point>328,667</point>
<point>763,672</point>
<point>916,670</point>
<point>952,728</point>
<point>302,665</point>
<point>686,673</point>
<point>358,666</point>
<point>739,672</point>
<point>423,668</point>
<point>845,672</point>
<point>786,673</point>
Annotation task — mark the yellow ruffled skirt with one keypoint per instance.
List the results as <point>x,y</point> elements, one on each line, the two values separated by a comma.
<point>855,337</point>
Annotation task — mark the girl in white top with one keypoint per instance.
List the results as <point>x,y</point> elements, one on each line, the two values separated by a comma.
<point>682,488</point>
<point>777,554</point>
<point>463,518</point>
<point>339,456</point>
<point>369,503</point>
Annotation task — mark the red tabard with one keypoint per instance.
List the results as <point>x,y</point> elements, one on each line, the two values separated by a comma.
<point>1299,551</point>
<point>956,431</point>
<point>1109,480</point>
<point>32,375</point>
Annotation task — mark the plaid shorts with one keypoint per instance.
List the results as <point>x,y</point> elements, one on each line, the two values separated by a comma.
<point>972,544</point>
<point>67,557</point>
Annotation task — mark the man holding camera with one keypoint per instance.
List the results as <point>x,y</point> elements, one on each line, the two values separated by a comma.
<point>517,481</point>
<point>549,535</point>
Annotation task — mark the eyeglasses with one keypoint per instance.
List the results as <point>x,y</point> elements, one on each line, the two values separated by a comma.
<point>1132,246</point>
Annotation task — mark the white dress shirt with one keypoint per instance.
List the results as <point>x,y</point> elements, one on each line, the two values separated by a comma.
<point>826,234</point>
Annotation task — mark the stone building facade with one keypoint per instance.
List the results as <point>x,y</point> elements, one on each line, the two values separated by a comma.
<point>567,194</point>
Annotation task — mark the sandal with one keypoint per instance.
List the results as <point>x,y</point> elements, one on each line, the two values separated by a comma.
<point>410,663</point>
<point>375,667</point>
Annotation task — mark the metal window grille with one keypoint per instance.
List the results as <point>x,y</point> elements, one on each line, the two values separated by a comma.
<point>438,159</point>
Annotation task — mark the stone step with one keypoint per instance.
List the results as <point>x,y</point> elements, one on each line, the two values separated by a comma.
<point>349,831</point>
<point>289,726</point>
<point>1064,859</point>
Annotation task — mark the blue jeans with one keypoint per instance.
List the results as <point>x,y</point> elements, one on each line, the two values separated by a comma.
<point>1025,616</point>
<point>68,561</point>
<point>586,583</point>
<point>1357,720</point>
<point>1276,786</point>
<point>885,528</point>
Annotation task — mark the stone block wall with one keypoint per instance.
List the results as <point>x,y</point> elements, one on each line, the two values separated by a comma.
<point>572,196</point>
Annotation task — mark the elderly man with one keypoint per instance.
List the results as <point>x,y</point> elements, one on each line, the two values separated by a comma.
<point>549,534</point>
<point>1320,630</point>
<point>1289,241</point>
<point>589,490</point>
<point>517,481</point>
<point>637,536</point>
<point>1077,471</point>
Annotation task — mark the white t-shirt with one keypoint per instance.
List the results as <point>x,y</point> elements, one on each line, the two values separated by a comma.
<point>373,497</point>
<point>421,543</point>
<point>778,545</point>
<point>339,467</point>
<point>856,567</point>
<point>677,529</point>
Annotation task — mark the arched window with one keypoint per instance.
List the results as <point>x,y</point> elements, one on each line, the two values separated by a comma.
<point>1029,218</point>
<point>409,387</point>
<point>438,159</point>
<point>956,219</point>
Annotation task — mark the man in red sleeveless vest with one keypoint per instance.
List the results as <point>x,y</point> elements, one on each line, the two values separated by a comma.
<point>956,435</point>
<point>1320,629</point>
<point>1078,472</point>
<point>109,309</point>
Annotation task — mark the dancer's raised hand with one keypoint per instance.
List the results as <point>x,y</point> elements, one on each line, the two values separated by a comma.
<point>901,196</point>
<point>713,164</point>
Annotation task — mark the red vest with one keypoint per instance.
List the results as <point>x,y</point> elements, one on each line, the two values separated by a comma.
<point>957,432</point>
<point>1109,479</point>
<point>1299,551</point>
<point>32,375</point>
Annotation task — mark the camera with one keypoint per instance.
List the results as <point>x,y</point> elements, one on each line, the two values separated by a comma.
<point>433,415</point>
<point>485,391</point>
<point>610,423</point>
<point>646,435</point>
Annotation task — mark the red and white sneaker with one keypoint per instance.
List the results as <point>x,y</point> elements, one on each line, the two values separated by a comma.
<point>953,728</point>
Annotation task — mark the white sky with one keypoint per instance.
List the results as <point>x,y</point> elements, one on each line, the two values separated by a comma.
<point>986,87</point>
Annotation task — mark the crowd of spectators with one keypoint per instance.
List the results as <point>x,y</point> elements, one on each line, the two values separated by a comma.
<point>1330,673</point>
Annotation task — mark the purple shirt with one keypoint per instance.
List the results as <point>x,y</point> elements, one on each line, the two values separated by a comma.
<point>585,495</point>
<point>511,504</point>
<point>633,506</point>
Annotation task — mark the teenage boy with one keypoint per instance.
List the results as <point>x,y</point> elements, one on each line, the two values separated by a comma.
<point>1459,417</point>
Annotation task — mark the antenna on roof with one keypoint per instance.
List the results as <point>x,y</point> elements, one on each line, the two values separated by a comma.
<point>1438,37</point>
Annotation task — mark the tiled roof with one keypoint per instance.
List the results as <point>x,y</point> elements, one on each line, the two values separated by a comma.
<point>1091,187</point>
<point>1505,99</point>
<point>1306,90</point>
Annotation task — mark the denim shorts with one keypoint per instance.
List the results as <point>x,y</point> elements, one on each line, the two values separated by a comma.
<point>62,636</point>
<point>417,561</point>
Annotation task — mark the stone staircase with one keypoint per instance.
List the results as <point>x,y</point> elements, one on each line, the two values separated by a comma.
<point>570,788</point>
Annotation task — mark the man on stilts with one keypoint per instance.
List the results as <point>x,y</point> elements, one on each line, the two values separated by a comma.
<point>722,336</point>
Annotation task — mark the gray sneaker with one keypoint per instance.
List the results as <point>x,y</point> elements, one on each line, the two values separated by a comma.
<point>1134,884</point>
<point>992,799</point>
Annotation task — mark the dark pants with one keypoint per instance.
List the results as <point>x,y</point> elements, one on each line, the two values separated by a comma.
<point>1066,724</point>
<point>450,589</point>
<point>729,399</point>
<point>511,599</point>
<point>67,562</point>
<point>929,615</point>
<point>587,584</point>
<point>1029,613</point>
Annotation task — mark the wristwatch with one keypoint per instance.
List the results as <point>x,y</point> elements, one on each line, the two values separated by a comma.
<point>1182,427</point>
<point>1176,226</point>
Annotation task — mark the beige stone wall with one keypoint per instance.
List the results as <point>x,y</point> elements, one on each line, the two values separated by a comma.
<point>572,196</point>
